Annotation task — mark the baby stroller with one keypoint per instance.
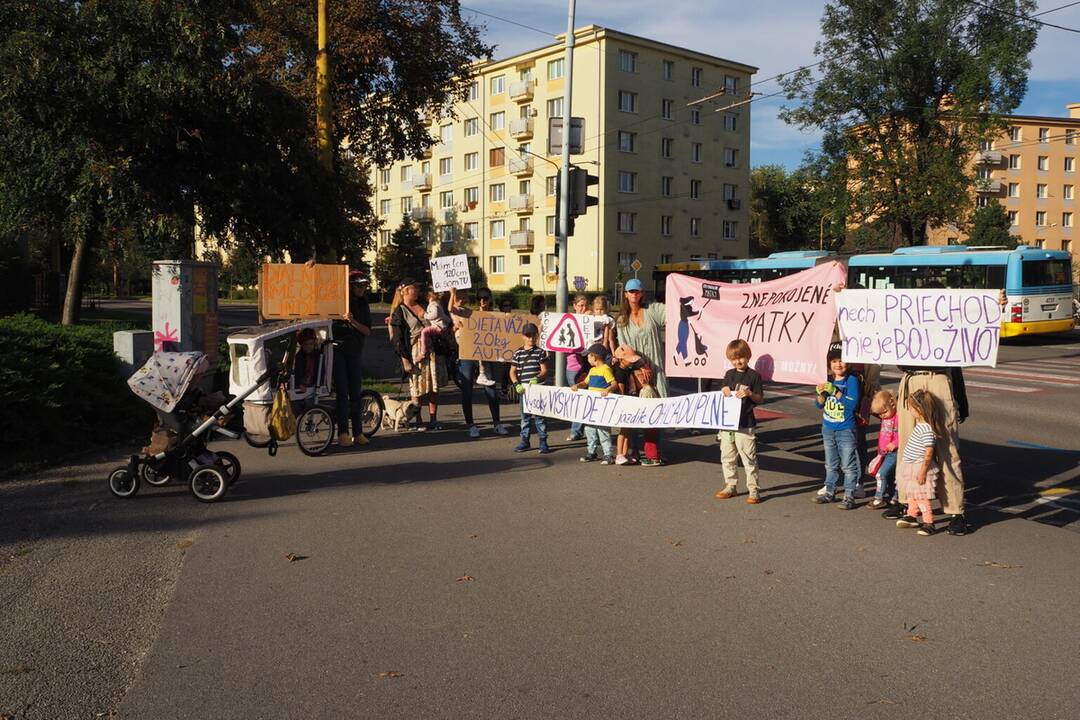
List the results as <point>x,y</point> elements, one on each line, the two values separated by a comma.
<point>186,420</point>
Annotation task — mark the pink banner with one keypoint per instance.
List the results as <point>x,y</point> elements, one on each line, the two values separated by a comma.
<point>787,322</point>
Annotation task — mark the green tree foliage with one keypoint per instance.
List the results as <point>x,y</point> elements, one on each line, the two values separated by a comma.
<point>792,211</point>
<point>907,90</point>
<point>990,226</point>
<point>405,257</point>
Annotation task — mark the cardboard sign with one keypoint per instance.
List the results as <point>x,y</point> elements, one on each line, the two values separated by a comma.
<point>491,336</point>
<point>698,410</point>
<point>936,328</point>
<point>787,322</point>
<point>450,271</point>
<point>570,332</point>
<point>290,291</point>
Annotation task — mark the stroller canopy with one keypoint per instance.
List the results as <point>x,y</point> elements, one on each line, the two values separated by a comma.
<point>166,376</point>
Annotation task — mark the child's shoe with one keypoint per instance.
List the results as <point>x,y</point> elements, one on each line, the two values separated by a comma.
<point>607,461</point>
<point>848,503</point>
<point>878,502</point>
<point>587,458</point>
<point>501,429</point>
<point>895,511</point>
<point>728,492</point>
<point>754,498</point>
<point>824,497</point>
<point>649,462</point>
<point>522,446</point>
<point>925,529</point>
<point>907,522</point>
<point>574,437</point>
<point>622,460</point>
<point>544,449</point>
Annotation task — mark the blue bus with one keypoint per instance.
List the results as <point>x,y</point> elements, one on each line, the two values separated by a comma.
<point>753,270</point>
<point>1038,283</point>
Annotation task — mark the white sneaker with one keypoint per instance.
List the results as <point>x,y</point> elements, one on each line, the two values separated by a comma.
<point>474,432</point>
<point>502,430</point>
<point>482,379</point>
<point>823,491</point>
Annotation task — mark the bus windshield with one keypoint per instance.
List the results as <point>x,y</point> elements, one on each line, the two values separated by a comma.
<point>1040,273</point>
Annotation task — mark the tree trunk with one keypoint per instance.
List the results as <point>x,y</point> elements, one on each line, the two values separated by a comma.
<point>73,296</point>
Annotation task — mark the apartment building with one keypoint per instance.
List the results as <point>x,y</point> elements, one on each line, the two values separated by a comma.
<point>1031,169</point>
<point>674,173</point>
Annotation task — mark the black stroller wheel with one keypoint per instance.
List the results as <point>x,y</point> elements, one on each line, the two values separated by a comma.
<point>314,431</point>
<point>230,464</point>
<point>123,483</point>
<point>371,412</point>
<point>152,476</point>
<point>208,483</point>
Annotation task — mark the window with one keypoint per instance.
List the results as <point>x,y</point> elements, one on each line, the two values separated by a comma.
<point>524,187</point>
<point>666,183</point>
<point>525,280</point>
<point>555,69</point>
<point>1014,162</point>
<point>551,262</point>
<point>627,101</point>
<point>731,85</point>
<point>446,199</point>
<point>384,176</point>
<point>498,84</point>
<point>425,167</point>
<point>731,121</point>
<point>665,229</point>
<point>1014,218</point>
<point>731,229</point>
<point>472,195</point>
<point>665,258</point>
<point>667,147</point>
<point>425,200</point>
<point>525,74</point>
<point>627,61</point>
<point>497,157</point>
<point>1043,163</point>
<point>554,107</point>
<point>525,224</point>
<point>406,205</point>
<point>626,259</point>
<point>386,207</point>
<point>549,224</point>
<point>695,76</point>
<point>1014,134</point>
<point>549,185</point>
<point>1044,135</point>
<point>983,173</point>
<point>1014,190</point>
<point>472,126</point>
<point>406,173</point>
<point>1070,164</point>
<point>525,259</point>
<point>498,228</point>
<point>1040,218</point>
<point>730,191</point>
<point>986,145</point>
<point>1066,245</point>
<point>695,227</point>
<point>1040,191</point>
<point>446,234</point>
<point>497,192</point>
<point>695,189</point>
<point>1070,137</point>
<point>627,182</point>
<point>446,166</point>
<point>1040,243</point>
<point>627,221</point>
<point>1067,192</point>
<point>731,157</point>
<point>695,152</point>
<point>667,109</point>
<point>669,69</point>
<point>497,264</point>
<point>497,120</point>
<point>982,201</point>
<point>626,141</point>
<point>1066,219</point>
<point>472,230</point>
<point>446,134</point>
<point>472,160</point>
<point>384,237</point>
<point>695,115</point>
<point>474,91</point>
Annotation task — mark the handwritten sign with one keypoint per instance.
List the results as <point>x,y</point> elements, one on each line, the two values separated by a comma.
<point>290,291</point>
<point>950,328</point>
<point>698,410</point>
<point>787,322</point>
<point>491,336</point>
<point>450,271</point>
<point>570,332</point>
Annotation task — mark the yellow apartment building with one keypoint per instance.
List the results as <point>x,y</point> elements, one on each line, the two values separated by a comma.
<point>1031,169</point>
<point>674,174</point>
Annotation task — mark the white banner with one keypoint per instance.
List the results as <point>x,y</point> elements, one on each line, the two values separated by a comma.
<point>450,271</point>
<point>921,328</point>
<point>698,410</point>
<point>570,332</point>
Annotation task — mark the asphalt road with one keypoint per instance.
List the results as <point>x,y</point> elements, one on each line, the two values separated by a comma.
<point>446,578</point>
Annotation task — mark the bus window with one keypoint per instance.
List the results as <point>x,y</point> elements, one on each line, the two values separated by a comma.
<point>995,276</point>
<point>1040,273</point>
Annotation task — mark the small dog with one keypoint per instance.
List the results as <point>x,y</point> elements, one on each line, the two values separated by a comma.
<point>399,413</point>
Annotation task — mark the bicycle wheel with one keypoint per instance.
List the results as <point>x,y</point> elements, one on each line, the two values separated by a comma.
<point>314,431</point>
<point>208,483</point>
<point>123,483</point>
<point>371,412</point>
<point>231,464</point>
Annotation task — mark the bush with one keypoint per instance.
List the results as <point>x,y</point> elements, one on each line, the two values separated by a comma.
<point>61,391</point>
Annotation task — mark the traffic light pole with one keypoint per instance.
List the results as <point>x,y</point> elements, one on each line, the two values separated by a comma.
<point>565,189</point>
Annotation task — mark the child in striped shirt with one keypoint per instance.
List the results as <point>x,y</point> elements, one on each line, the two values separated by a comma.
<point>918,472</point>
<point>528,366</point>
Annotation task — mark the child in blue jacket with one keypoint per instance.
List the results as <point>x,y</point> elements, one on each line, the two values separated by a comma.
<point>839,402</point>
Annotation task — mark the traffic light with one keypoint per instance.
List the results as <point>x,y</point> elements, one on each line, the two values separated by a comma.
<point>580,200</point>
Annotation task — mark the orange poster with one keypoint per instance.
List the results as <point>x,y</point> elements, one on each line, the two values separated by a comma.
<point>290,291</point>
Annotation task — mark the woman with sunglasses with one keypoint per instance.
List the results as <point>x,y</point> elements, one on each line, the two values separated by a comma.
<point>466,368</point>
<point>640,325</point>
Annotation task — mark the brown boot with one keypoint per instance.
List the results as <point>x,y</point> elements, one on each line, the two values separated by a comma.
<point>344,440</point>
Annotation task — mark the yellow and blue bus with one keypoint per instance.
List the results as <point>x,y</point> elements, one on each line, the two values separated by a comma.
<point>1038,283</point>
<point>752,270</point>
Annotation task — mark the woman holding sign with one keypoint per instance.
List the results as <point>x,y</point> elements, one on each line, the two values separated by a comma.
<point>428,372</point>
<point>640,325</point>
<point>467,369</point>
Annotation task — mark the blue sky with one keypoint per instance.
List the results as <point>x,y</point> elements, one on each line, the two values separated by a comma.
<point>774,35</point>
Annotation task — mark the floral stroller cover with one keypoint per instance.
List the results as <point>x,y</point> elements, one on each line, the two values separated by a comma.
<point>166,376</point>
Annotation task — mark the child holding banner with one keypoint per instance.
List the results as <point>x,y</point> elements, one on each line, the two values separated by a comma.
<point>744,383</point>
<point>839,402</point>
<point>599,379</point>
<point>528,366</point>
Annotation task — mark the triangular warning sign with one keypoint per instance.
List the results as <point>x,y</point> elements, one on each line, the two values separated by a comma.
<point>566,335</point>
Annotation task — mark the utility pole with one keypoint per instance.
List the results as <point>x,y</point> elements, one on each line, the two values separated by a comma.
<point>322,95</point>
<point>564,186</point>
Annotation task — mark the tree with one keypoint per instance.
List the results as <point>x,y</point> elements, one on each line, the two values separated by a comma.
<point>990,225</point>
<point>908,90</point>
<point>405,257</point>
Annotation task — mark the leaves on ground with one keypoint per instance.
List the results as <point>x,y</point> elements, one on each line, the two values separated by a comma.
<point>881,701</point>
<point>675,543</point>
<point>185,544</point>
<point>768,572</point>
<point>1000,566</point>
<point>466,578</point>
<point>17,670</point>
<point>917,638</point>
<point>293,557</point>
<point>473,537</point>
<point>391,674</point>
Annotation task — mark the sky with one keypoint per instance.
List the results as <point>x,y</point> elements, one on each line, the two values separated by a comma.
<point>776,36</point>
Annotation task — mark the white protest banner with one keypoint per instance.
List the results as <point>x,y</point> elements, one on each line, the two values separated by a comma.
<point>939,328</point>
<point>570,332</point>
<point>450,271</point>
<point>698,410</point>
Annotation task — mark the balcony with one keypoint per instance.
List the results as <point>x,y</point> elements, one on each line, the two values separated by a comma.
<point>990,157</point>
<point>734,203</point>
<point>422,181</point>
<point>521,203</point>
<point>521,239</point>
<point>521,128</point>
<point>988,187</point>
<point>521,91</point>
<point>520,166</point>
<point>425,154</point>
<point>423,214</point>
